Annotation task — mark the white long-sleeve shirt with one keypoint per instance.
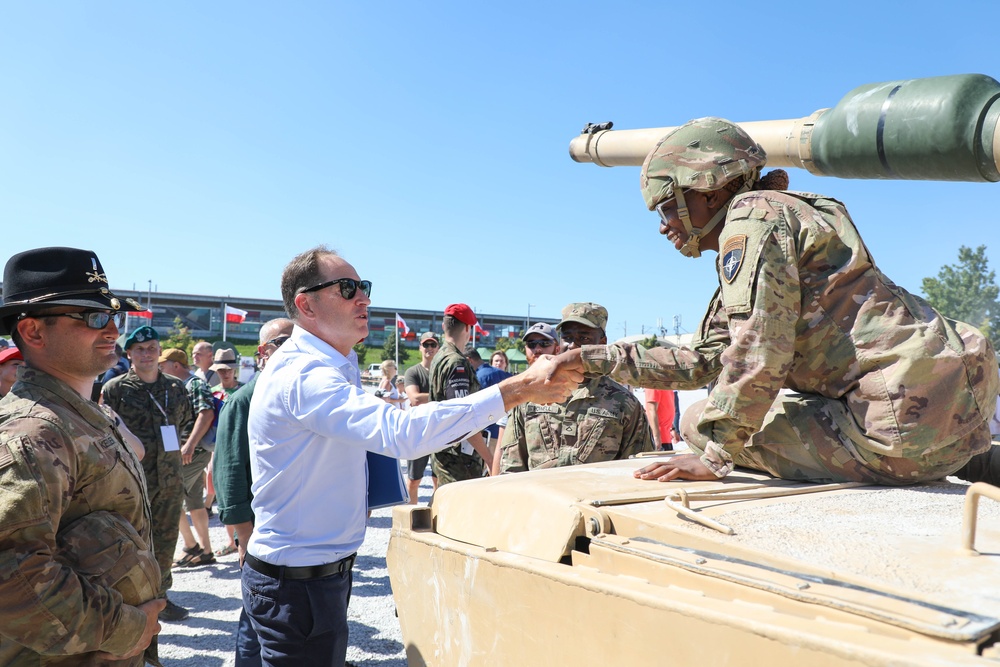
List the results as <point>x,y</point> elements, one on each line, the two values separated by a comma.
<point>310,427</point>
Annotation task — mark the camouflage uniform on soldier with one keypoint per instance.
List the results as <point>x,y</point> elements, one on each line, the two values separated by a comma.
<point>889,391</point>
<point>146,408</point>
<point>452,376</point>
<point>77,572</point>
<point>601,421</point>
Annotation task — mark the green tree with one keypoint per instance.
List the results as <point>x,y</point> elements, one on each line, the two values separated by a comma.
<point>503,344</point>
<point>361,351</point>
<point>650,342</point>
<point>179,336</point>
<point>967,291</point>
<point>389,348</point>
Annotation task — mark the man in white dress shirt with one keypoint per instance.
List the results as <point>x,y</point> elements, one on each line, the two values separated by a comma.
<point>310,427</point>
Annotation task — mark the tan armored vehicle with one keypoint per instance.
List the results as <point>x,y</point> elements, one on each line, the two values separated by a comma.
<point>588,566</point>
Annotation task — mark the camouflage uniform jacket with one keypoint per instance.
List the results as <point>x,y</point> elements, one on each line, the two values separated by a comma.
<point>452,376</point>
<point>75,558</point>
<point>201,400</point>
<point>601,421</point>
<point>145,408</point>
<point>802,305</point>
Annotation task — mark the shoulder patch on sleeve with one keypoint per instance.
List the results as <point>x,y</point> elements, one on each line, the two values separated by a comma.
<point>732,256</point>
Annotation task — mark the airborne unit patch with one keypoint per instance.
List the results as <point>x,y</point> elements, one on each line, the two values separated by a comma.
<point>732,256</point>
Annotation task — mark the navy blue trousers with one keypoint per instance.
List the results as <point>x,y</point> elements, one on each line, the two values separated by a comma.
<point>299,622</point>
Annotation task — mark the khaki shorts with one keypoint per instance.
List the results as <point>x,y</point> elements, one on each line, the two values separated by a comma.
<point>193,475</point>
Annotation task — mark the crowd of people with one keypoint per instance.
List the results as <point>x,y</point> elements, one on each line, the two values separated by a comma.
<point>96,484</point>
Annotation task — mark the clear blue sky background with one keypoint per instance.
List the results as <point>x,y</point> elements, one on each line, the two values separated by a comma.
<point>200,145</point>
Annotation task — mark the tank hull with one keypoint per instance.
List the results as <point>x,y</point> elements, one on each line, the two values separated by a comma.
<point>637,585</point>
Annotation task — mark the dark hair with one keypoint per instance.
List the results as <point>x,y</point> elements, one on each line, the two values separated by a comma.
<point>451,326</point>
<point>473,354</point>
<point>300,273</point>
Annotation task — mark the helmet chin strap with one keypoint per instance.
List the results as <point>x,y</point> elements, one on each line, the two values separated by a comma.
<point>692,247</point>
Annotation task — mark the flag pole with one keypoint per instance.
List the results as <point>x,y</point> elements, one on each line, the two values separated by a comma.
<point>225,319</point>
<point>397,342</point>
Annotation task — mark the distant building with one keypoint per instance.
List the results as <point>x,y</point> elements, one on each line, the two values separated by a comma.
<point>203,315</point>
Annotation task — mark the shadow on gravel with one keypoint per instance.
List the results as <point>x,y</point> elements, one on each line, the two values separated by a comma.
<point>380,522</point>
<point>364,638</point>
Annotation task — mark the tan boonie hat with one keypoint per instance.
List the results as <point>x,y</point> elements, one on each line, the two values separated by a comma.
<point>174,354</point>
<point>224,358</point>
<point>588,314</point>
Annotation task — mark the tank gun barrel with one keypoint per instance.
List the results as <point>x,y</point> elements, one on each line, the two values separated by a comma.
<point>938,129</point>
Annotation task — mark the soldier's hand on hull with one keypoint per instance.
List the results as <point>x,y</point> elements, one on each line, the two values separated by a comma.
<point>152,610</point>
<point>542,383</point>
<point>682,466</point>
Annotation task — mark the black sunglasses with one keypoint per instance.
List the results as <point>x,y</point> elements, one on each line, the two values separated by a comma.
<point>428,343</point>
<point>94,319</point>
<point>532,344</point>
<point>277,341</point>
<point>348,287</point>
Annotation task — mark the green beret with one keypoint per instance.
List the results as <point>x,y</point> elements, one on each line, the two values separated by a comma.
<point>141,335</point>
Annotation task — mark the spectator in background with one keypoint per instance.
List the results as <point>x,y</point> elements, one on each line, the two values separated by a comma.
<point>203,359</point>
<point>195,457</point>
<point>121,366</point>
<point>540,338</point>
<point>499,360</point>
<point>156,408</point>
<point>227,366</point>
<point>601,421</point>
<point>231,470</point>
<point>660,412</point>
<point>487,376</point>
<point>387,385</point>
<point>417,384</point>
<point>452,376</point>
<point>10,361</point>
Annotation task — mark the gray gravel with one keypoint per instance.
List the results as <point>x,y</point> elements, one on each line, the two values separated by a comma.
<point>212,594</point>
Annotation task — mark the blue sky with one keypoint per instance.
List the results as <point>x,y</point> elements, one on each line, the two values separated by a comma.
<point>202,145</point>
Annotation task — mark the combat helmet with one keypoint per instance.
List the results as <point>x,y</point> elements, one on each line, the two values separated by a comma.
<point>704,154</point>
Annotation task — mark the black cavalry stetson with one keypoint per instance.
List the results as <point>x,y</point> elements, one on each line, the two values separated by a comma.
<point>45,277</point>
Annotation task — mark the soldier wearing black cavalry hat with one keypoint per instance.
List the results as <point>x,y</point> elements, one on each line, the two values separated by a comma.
<point>78,578</point>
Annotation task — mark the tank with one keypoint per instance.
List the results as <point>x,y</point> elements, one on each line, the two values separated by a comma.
<point>586,565</point>
<point>937,129</point>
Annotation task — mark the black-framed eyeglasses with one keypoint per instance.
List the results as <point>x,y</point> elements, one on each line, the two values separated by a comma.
<point>94,319</point>
<point>532,344</point>
<point>348,287</point>
<point>277,341</point>
<point>429,344</point>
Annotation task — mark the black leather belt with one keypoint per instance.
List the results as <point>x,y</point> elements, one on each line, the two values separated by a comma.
<point>307,572</point>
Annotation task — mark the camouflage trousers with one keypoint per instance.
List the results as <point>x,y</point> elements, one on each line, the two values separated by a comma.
<point>165,487</point>
<point>812,438</point>
<point>451,465</point>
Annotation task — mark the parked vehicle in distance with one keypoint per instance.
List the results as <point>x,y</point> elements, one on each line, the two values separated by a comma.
<point>372,374</point>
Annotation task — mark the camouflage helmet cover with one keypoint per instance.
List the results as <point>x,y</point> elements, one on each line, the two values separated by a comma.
<point>703,154</point>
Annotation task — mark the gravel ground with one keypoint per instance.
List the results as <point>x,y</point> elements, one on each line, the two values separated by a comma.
<point>212,594</point>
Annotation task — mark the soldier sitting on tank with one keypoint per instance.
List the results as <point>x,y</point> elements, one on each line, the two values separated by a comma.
<point>887,391</point>
<point>601,421</point>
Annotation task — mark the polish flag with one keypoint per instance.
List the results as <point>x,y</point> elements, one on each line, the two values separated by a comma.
<point>400,323</point>
<point>481,331</point>
<point>235,315</point>
<point>145,314</point>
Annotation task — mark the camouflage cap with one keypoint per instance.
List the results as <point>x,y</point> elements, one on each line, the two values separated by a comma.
<point>141,335</point>
<point>588,314</point>
<point>703,154</point>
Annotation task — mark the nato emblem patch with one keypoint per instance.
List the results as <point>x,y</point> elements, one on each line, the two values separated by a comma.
<point>732,256</point>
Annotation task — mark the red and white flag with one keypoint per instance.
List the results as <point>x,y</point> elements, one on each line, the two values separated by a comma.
<point>145,314</point>
<point>235,315</point>
<point>401,324</point>
<point>481,331</point>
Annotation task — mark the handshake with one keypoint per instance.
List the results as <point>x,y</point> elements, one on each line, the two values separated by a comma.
<point>551,379</point>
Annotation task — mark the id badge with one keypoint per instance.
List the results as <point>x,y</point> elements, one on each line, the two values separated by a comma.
<point>467,448</point>
<point>169,435</point>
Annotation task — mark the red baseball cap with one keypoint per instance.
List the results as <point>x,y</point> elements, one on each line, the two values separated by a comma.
<point>462,313</point>
<point>10,354</point>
